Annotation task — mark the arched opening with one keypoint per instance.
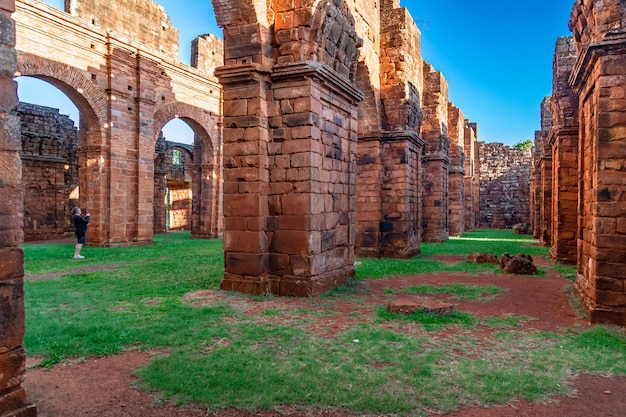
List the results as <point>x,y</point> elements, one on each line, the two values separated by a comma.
<point>173,177</point>
<point>49,155</point>
<point>187,152</point>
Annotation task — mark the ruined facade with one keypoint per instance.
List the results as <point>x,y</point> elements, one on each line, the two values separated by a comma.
<point>587,141</point>
<point>173,186</point>
<point>599,79</point>
<point>118,62</point>
<point>542,177</point>
<point>13,400</point>
<point>504,193</point>
<point>49,171</point>
<point>563,141</point>
<point>339,139</point>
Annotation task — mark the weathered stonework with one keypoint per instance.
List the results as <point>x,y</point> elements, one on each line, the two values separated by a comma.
<point>542,177</point>
<point>49,171</point>
<point>13,400</point>
<point>472,176</point>
<point>118,63</point>
<point>173,179</point>
<point>456,178</point>
<point>390,147</point>
<point>563,139</point>
<point>436,159</point>
<point>504,193</point>
<point>599,31</point>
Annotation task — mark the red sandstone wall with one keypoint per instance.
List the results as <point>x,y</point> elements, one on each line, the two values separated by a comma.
<point>126,92</point>
<point>598,79</point>
<point>49,170</point>
<point>471,175</point>
<point>143,21</point>
<point>504,193</point>
<point>456,180</point>
<point>564,143</point>
<point>13,400</point>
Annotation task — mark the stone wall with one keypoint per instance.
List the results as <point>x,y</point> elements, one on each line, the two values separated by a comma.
<point>49,171</point>
<point>472,175</point>
<point>504,192</point>
<point>13,400</point>
<point>563,140</point>
<point>125,91</point>
<point>144,21</point>
<point>542,177</point>
<point>599,32</point>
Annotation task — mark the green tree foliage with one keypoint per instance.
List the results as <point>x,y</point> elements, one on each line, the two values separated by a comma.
<point>524,144</point>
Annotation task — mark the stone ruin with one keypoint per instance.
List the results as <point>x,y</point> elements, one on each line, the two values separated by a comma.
<point>579,175</point>
<point>302,86</point>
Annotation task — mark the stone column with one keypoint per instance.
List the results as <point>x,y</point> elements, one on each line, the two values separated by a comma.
<point>12,357</point>
<point>564,143</point>
<point>246,178</point>
<point>544,175</point>
<point>471,142</point>
<point>312,203</point>
<point>436,160</point>
<point>400,183</point>
<point>599,29</point>
<point>456,183</point>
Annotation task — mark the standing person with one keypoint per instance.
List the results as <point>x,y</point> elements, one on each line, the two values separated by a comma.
<point>80,223</point>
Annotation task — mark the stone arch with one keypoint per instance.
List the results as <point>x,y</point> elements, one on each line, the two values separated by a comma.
<point>332,39</point>
<point>335,39</point>
<point>242,12</point>
<point>90,99</point>
<point>93,152</point>
<point>206,171</point>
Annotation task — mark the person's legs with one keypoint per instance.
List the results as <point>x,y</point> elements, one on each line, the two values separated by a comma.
<point>78,247</point>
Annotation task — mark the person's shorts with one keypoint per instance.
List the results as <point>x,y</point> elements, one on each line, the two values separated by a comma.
<point>81,238</point>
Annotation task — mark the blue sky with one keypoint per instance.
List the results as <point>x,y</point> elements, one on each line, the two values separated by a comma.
<point>495,54</point>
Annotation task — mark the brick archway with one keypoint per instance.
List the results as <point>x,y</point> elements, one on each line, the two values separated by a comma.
<point>93,150</point>
<point>206,170</point>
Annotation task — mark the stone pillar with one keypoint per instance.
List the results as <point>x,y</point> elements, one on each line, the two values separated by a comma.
<point>599,29</point>
<point>544,178</point>
<point>470,142</point>
<point>390,149</point>
<point>313,179</point>
<point>436,160</point>
<point>160,185</point>
<point>12,357</point>
<point>400,158</point>
<point>564,143</point>
<point>456,180</point>
<point>246,178</point>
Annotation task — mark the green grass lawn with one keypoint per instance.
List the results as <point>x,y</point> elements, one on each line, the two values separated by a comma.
<point>217,356</point>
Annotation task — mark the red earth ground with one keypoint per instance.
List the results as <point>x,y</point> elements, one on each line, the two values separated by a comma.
<point>106,387</point>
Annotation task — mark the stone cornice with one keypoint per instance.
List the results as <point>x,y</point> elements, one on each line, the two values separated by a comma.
<point>324,74</point>
<point>244,73</point>
<point>45,158</point>
<point>614,45</point>
<point>558,133</point>
<point>389,136</point>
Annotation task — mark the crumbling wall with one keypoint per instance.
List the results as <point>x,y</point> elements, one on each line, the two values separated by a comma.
<point>542,177</point>
<point>504,192</point>
<point>563,140</point>
<point>143,21</point>
<point>13,401</point>
<point>207,53</point>
<point>599,31</point>
<point>472,177</point>
<point>49,171</point>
